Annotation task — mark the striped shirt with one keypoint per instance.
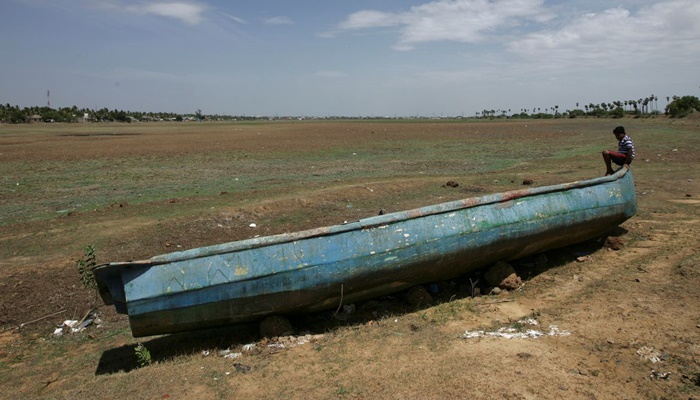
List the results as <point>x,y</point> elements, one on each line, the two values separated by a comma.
<point>626,145</point>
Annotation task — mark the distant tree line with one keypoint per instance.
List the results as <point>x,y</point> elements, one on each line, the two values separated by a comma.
<point>16,115</point>
<point>676,107</point>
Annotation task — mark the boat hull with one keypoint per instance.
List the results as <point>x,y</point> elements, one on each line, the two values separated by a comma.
<point>321,268</point>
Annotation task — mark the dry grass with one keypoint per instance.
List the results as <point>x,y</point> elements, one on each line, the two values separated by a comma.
<point>134,191</point>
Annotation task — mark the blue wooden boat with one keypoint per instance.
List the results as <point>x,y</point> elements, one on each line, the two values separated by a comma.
<point>321,268</point>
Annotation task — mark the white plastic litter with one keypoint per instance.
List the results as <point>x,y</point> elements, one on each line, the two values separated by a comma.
<point>72,326</point>
<point>286,342</point>
<point>660,375</point>
<point>649,353</point>
<point>75,326</point>
<point>249,347</point>
<point>233,355</point>
<point>513,333</point>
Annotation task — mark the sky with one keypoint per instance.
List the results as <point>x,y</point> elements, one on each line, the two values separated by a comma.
<point>346,58</point>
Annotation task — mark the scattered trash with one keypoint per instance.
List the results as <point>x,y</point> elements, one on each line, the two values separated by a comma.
<point>649,353</point>
<point>283,342</point>
<point>75,326</point>
<point>513,333</point>
<point>252,225</point>
<point>233,355</point>
<point>660,375</point>
<point>249,347</point>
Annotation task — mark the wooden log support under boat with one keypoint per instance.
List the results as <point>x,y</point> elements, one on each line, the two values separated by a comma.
<point>310,270</point>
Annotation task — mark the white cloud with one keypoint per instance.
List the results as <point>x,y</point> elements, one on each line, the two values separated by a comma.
<point>188,12</point>
<point>281,20</point>
<point>467,21</point>
<point>370,19</point>
<point>617,36</point>
<point>234,18</point>
<point>520,37</point>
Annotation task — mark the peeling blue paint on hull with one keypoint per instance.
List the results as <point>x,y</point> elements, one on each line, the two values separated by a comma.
<point>313,270</point>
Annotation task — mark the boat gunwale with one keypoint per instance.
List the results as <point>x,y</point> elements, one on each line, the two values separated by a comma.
<point>366,223</point>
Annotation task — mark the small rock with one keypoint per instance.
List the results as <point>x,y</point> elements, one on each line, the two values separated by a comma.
<point>512,282</point>
<point>417,296</point>
<point>613,243</point>
<point>243,369</point>
<point>451,184</point>
<point>541,259</point>
<point>275,326</point>
<point>528,181</point>
<point>498,272</point>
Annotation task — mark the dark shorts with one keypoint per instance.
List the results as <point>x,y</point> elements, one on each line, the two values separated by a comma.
<point>618,158</point>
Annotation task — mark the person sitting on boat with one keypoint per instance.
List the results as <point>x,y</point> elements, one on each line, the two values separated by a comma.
<point>624,154</point>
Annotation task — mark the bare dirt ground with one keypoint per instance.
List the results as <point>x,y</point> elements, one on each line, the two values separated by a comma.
<point>630,304</point>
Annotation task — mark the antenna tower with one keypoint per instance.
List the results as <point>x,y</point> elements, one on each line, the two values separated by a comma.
<point>48,98</point>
